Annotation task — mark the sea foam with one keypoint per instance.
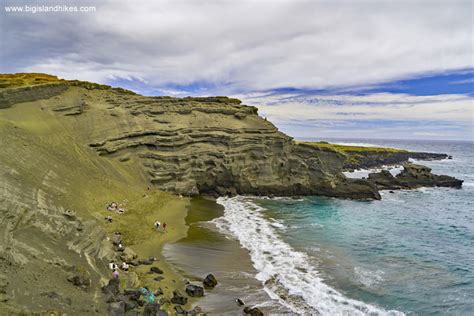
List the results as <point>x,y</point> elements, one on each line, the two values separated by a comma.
<point>287,274</point>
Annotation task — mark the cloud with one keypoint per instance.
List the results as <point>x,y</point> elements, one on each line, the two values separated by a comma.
<point>365,107</point>
<point>245,45</point>
<point>378,115</point>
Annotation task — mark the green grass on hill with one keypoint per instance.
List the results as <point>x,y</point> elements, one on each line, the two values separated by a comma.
<point>350,149</point>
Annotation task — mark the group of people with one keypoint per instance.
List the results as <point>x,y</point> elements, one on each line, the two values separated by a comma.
<point>117,207</point>
<point>115,268</point>
<point>158,225</point>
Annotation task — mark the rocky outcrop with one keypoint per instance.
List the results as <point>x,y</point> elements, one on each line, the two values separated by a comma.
<point>218,146</point>
<point>375,159</point>
<point>194,290</point>
<point>209,281</point>
<point>23,87</point>
<point>8,97</point>
<point>413,176</point>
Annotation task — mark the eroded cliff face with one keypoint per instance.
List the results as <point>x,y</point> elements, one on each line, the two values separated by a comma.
<point>216,145</point>
<point>193,146</point>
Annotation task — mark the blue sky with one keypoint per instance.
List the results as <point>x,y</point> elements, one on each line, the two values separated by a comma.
<point>315,68</point>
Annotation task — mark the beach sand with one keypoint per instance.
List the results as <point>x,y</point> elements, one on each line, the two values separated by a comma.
<point>205,250</point>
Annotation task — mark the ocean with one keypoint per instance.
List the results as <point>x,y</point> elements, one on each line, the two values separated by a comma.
<point>411,253</point>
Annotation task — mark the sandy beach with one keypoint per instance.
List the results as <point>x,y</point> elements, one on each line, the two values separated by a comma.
<point>206,250</point>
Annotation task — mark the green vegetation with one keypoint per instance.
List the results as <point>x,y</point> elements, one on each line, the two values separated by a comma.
<point>32,79</point>
<point>345,149</point>
<point>357,156</point>
<point>26,79</point>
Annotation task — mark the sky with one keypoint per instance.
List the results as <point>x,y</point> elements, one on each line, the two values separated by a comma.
<point>348,69</point>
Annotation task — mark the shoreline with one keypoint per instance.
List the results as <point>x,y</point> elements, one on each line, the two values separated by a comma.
<point>206,250</point>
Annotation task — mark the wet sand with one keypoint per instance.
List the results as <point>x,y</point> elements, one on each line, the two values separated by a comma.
<point>205,250</point>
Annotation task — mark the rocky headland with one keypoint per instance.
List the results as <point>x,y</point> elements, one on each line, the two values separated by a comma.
<point>71,147</point>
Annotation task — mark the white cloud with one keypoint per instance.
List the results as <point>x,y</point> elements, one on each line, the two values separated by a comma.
<point>378,106</point>
<point>250,45</point>
<point>379,115</point>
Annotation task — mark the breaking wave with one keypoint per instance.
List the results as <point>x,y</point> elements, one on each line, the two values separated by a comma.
<point>287,274</point>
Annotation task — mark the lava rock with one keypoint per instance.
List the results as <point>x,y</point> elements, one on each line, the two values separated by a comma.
<point>80,280</point>
<point>239,302</point>
<point>253,311</point>
<point>112,287</point>
<point>178,298</point>
<point>156,270</point>
<point>148,261</point>
<point>210,281</point>
<point>194,290</point>
<point>151,309</point>
<point>133,294</point>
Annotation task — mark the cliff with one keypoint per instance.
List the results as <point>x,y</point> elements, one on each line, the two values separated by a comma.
<point>360,157</point>
<point>190,146</point>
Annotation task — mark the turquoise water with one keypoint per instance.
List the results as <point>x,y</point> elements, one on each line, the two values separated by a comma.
<point>413,251</point>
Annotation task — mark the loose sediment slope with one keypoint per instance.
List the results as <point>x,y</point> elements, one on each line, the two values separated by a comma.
<point>54,248</point>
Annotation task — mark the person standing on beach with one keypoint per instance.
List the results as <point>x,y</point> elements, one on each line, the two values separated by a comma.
<point>164,227</point>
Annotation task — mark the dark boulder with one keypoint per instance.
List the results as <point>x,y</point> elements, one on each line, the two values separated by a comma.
<point>156,270</point>
<point>152,310</point>
<point>133,294</point>
<point>253,311</point>
<point>239,302</point>
<point>384,180</point>
<point>113,287</point>
<point>80,280</point>
<point>194,290</point>
<point>178,298</point>
<point>413,176</point>
<point>209,281</point>
<point>148,261</point>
